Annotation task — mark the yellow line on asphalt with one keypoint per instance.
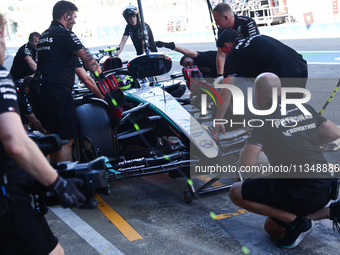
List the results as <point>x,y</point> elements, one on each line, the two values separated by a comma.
<point>206,178</point>
<point>117,220</point>
<point>227,215</point>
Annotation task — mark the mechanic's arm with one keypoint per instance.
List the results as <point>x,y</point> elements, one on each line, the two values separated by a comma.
<point>186,52</point>
<point>172,46</point>
<point>220,61</point>
<point>28,156</point>
<point>249,155</point>
<point>143,46</point>
<point>328,132</point>
<point>24,150</point>
<point>31,63</point>
<point>35,123</point>
<point>225,96</point>
<point>88,81</point>
<point>89,61</point>
<point>122,44</point>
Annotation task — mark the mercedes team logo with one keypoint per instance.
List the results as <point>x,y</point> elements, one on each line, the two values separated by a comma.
<point>206,144</point>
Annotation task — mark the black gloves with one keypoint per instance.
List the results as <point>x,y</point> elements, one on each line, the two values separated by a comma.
<point>66,191</point>
<point>170,45</point>
<point>109,88</point>
<point>105,84</point>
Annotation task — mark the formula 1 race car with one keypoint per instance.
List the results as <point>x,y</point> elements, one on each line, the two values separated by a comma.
<point>155,132</point>
<point>152,132</point>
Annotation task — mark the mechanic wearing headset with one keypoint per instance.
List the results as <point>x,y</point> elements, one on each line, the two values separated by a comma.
<point>224,19</point>
<point>58,49</point>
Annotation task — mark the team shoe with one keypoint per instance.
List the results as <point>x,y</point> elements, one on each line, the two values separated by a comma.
<point>335,215</point>
<point>295,232</point>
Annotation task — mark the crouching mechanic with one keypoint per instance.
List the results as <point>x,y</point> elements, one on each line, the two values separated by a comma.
<point>291,202</point>
<point>205,60</point>
<point>21,230</point>
<point>26,111</point>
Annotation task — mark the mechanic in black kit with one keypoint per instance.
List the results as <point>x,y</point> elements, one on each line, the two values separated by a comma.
<point>26,111</point>
<point>254,55</point>
<point>25,62</point>
<point>290,199</point>
<point>205,60</point>
<point>134,30</point>
<point>226,19</point>
<point>58,49</point>
<point>22,231</point>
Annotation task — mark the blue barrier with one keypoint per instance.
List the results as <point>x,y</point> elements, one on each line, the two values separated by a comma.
<point>113,34</point>
<point>301,29</point>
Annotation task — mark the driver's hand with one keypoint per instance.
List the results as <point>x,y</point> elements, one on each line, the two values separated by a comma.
<point>67,192</point>
<point>218,128</point>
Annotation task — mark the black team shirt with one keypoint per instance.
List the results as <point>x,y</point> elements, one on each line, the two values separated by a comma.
<point>292,140</point>
<point>257,54</point>
<point>206,62</point>
<point>244,26</point>
<point>136,36</point>
<point>20,68</point>
<point>56,59</point>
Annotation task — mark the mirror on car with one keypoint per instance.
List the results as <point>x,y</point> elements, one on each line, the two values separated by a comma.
<point>153,64</point>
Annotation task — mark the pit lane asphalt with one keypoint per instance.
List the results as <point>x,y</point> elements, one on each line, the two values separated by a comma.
<point>154,206</point>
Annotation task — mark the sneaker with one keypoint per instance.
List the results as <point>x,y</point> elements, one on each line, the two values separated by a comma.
<point>335,215</point>
<point>296,233</point>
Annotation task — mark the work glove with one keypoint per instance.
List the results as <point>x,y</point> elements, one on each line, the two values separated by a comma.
<point>106,84</point>
<point>170,45</point>
<point>109,88</point>
<point>218,80</point>
<point>67,192</point>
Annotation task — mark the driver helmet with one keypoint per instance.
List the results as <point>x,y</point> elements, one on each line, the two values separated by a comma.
<point>129,11</point>
<point>124,81</point>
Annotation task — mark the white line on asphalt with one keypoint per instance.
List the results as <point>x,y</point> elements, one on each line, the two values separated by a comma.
<point>92,237</point>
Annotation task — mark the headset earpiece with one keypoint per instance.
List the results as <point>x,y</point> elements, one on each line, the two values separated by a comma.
<point>225,17</point>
